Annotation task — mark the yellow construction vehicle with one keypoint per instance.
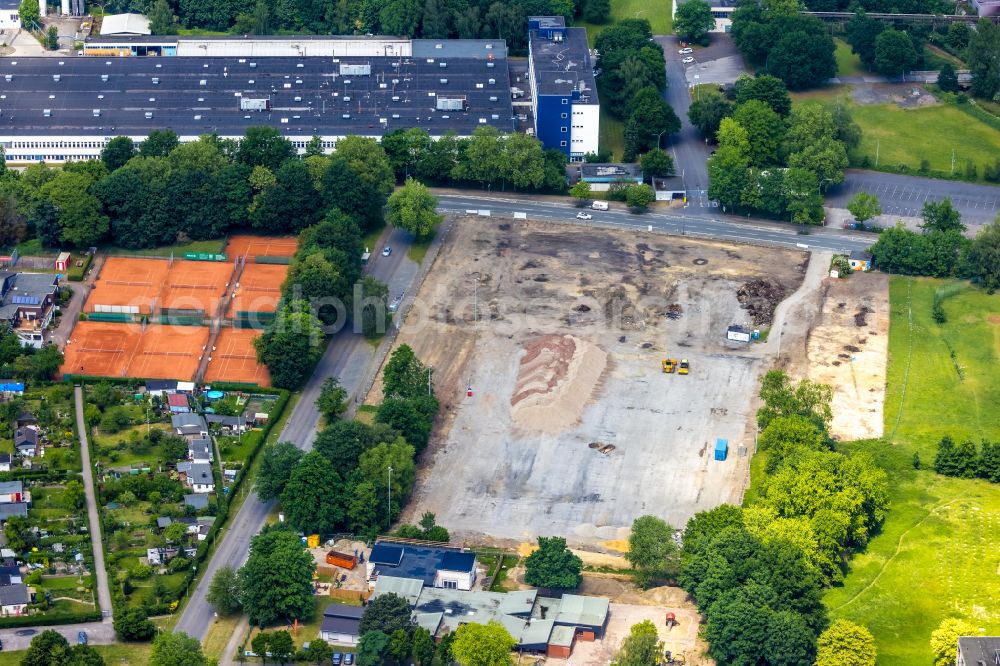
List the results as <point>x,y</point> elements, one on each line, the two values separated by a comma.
<point>669,364</point>
<point>683,368</point>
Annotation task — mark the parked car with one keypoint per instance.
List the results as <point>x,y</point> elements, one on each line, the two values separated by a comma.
<point>337,659</point>
<point>686,51</point>
<point>81,638</point>
<point>386,251</point>
<point>348,658</point>
<point>583,216</point>
<point>687,60</point>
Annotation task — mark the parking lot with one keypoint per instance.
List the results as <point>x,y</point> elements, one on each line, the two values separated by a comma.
<point>905,195</point>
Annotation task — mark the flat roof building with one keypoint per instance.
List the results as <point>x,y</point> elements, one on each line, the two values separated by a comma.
<point>125,24</point>
<point>58,110</point>
<point>564,93</point>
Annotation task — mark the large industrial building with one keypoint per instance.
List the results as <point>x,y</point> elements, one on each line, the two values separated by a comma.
<point>58,109</point>
<point>564,93</point>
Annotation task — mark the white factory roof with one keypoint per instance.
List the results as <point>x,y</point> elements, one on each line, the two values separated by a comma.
<point>125,24</point>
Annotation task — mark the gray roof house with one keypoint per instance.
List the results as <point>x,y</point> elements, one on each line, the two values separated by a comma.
<point>13,598</point>
<point>189,425</point>
<point>13,509</point>
<point>26,441</point>
<point>199,477</point>
<point>200,450</point>
<point>978,651</point>
<point>196,500</point>
<point>341,624</point>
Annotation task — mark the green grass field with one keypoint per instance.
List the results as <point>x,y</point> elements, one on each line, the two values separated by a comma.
<point>178,250</point>
<point>612,135</point>
<point>936,556</point>
<point>659,13</point>
<point>848,64</point>
<point>908,136</point>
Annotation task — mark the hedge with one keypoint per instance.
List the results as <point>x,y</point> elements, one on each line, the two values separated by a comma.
<point>49,619</point>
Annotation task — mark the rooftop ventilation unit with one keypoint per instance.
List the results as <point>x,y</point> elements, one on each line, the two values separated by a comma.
<point>47,113</point>
<point>56,77</point>
<point>490,64</point>
<point>493,82</point>
<point>104,77</point>
<point>451,103</point>
<point>202,82</point>
<point>149,115</point>
<point>253,65</point>
<point>97,113</point>
<point>252,104</point>
<point>8,78</point>
<point>156,80</point>
<point>444,80</point>
<point>355,70</point>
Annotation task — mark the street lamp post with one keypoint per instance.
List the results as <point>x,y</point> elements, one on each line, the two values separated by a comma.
<point>658,138</point>
<point>389,512</point>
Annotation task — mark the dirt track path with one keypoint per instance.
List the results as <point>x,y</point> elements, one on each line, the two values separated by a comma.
<point>794,318</point>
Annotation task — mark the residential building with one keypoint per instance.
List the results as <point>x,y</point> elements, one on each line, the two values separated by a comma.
<point>163,522</point>
<point>4,462</point>
<point>26,441</point>
<point>14,599</point>
<point>10,19</point>
<point>198,477</point>
<point>160,387</point>
<point>9,509</point>
<point>564,94</point>
<point>122,25</point>
<point>303,86</point>
<point>978,651</point>
<point>26,419</point>
<point>160,556</point>
<point>189,425</point>
<point>178,403</point>
<point>340,624</point>
<point>12,492</point>
<point>196,500</point>
<point>538,624</point>
<point>27,303</point>
<point>10,575</point>
<point>200,450</point>
<point>231,423</point>
<point>436,566</point>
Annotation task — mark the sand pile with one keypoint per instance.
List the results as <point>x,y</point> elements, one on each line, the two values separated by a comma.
<point>557,377</point>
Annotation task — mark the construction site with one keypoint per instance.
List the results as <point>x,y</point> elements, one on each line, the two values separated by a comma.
<point>547,345</point>
<point>187,319</point>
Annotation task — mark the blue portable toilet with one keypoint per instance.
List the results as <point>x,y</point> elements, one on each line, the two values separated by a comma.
<point>721,449</point>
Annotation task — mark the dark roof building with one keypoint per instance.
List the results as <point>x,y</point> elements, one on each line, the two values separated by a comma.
<point>27,302</point>
<point>433,565</point>
<point>341,623</point>
<point>978,651</point>
<point>67,109</point>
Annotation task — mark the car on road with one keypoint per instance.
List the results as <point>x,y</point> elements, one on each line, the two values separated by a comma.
<point>583,216</point>
<point>395,303</point>
<point>386,251</point>
<point>337,659</point>
<point>81,638</point>
<point>686,51</point>
<point>25,632</point>
<point>1,646</point>
<point>687,60</point>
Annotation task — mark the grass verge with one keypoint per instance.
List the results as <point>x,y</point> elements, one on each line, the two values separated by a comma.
<point>612,135</point>
<point>934,557</point>
<point>418,249</point>
<point>120,654</point>
<point>848,64</point>
<point>659,14</point>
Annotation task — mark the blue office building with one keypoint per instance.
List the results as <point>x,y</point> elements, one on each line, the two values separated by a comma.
<point>564,93</point>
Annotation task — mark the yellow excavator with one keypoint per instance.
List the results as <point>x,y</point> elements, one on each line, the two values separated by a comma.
<point>669,364</point>
<point>683,368</point>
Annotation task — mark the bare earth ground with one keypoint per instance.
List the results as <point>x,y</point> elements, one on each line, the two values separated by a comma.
<point>583,310</point>
<point>848,349</point>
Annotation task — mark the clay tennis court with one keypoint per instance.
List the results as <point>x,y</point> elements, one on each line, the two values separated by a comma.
<point>259,289</point>
<point>128,283</point>
<point>249,246</point>
<point>235,359</point>
<point>125,350</point>
<point>195,285</point>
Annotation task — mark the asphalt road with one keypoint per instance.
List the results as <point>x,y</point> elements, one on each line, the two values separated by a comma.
<point>906,195</point>
<point>689,150</point>
<point>347,357</point>
<point>693,222</point>
<point>100,572</point>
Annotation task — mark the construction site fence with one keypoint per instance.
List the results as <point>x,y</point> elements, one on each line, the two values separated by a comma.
<point>176,320</point>
<point>182,312</point>
<point>265,259</point>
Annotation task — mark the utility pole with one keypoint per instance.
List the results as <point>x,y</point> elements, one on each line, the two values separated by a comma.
<point>389,513</point>
<point>878,142</point>
<point>429,391</point>
<point>953,161</point>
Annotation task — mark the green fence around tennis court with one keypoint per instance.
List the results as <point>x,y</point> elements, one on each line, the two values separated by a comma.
<point>264,259</point>
<point>119,317</point>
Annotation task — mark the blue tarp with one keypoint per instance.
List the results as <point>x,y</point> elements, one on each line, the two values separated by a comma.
<point>12,387</point>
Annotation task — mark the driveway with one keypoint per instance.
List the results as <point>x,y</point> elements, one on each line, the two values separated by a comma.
<point>347,357</point>
<point>905,195</point>
<point>100,572</point>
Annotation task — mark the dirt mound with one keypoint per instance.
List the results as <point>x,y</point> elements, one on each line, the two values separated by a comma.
<point>759,298</point>
<point>557,377</point>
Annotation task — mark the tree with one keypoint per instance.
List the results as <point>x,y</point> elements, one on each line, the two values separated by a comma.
<point>399,645</point>
<point>404,375</point>
<point>117,152</point>
<point>176,649</point>
<point>656,164</point>
<point>224,592</point>
<point>845,643</point>
<point>132,624</point>
<point>769,89</point>
<point>944,639</point>
<point>981,57</point>
<point>371,306</point>
<point>161,19</point>
<point>414,208</point>
<point>983,256</point>
<point>727,174</point>
<point>553,565</point>
<point>48,647</point>
<point>648,117</point>
<point>332,400</point>
<point>947,78</point>
<point>158,143</point>
<point>785,434</point>
<point>276,468</point>
<point>30,17</point>
<point>864,206</point>
<point>277,578</point>
<point>401,17</point>
<point>343,442</point>
<point>639,196</point>
<point>423,647</point>
<point>483,645</point>
<point>83,655</point>
<point>406,417</point>
<point>260,645</point>
<point>313,497</point>
<point>372,648</point>
<point>861,34</point>
<point>596,11</point>
<point>291,346</point>
<point>766,130</point>
<point>894,53</point>
<point>941,216</point>
<point>74,494</point>
<point>693,21</point>
<point>651,548</point>
<point>174,533</point>
<point>281,645</point>
<point>313,277</point>
<point>707,112</point>
<point>319,651</point>
<point>641,647</point>
<point>781,398</point>
<point>387,613</point>
<point>264,146</point>
<point>803,60</point>
<point>581,192</point>
<point>52,38</point>
<point>79,212</point>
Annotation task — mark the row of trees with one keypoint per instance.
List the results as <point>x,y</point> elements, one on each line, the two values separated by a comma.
<point>783,43</point>
<point>968,461</point>
<point>772,158</point>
